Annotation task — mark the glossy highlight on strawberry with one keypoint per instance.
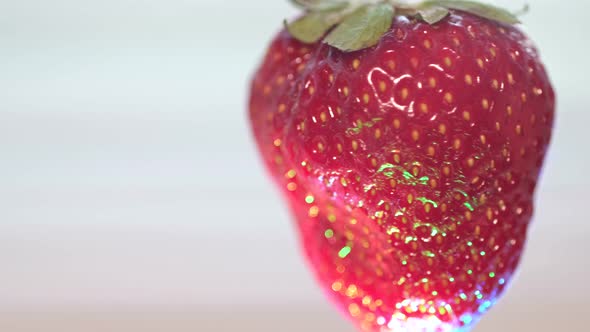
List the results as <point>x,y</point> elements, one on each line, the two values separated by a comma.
<point>410,166</point>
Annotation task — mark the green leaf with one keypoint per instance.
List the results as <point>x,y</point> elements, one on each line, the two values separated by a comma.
<point>363,28</point>
<point>484,10</point>
<point>311,27</point>
<point>433,14</point>
<point>318,5</point>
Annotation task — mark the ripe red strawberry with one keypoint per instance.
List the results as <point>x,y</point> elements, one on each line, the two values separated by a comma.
<point>409,158</point>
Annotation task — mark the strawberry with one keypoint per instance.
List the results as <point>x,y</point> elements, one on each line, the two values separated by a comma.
<point>408,141</point>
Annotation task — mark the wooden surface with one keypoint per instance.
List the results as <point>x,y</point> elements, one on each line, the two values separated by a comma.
<point>544,317</point>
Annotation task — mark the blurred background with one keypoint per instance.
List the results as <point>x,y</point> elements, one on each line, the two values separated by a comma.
<point>132,199</point>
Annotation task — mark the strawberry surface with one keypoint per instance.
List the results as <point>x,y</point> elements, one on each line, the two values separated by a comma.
<point>410,167</point>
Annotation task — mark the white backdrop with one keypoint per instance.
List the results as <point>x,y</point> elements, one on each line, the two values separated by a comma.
<point>129,182</point>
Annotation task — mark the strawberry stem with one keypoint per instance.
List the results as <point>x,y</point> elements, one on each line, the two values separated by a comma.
<point>352,25</point>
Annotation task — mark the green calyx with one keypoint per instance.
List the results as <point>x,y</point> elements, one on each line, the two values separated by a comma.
<point>352,25</point>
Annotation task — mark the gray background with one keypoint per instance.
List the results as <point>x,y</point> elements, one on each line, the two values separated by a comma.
<point>131,198</point>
